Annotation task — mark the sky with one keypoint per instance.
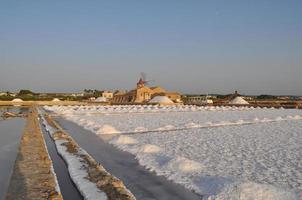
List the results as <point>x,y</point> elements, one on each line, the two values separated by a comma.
<point>190,46</point>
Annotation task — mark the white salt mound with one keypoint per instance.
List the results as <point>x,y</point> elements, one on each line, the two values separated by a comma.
<point>101,99</point>
<point>238,101</point>
<point>253,191</point>
<point>149,148</point>
<point>125,140</point>
<point>184,165</point>
<point>56,99</point>
<point>107,129</point>
<point>161,100</point>
<point>17,100</point>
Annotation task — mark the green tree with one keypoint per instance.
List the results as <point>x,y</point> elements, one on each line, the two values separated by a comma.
<point>25,92</point>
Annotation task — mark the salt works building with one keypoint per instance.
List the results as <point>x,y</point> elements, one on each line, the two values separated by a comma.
<point>143,94</point>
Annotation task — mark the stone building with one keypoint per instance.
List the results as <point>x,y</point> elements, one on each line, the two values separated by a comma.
<point>142,94</point>
<point>106,94</point>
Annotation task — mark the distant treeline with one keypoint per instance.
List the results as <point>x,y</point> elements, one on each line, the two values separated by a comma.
<point>28,95</point>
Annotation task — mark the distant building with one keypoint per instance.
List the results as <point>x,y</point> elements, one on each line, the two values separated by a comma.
<point>143,94</point>
<point>283,98</point>
<point>198,100</point>
<point>77,94</point>
<point>106,94</point>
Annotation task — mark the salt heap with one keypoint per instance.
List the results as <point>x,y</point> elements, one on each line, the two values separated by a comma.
<point>238,101</point>
<point>101,99</point>
<point>17,100</point>
<point>56,99</point>
<point>163,100</point>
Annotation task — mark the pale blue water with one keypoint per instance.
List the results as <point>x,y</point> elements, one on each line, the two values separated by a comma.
<point>10,135</point>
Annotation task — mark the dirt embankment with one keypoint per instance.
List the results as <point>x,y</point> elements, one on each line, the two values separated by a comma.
<point>112,186</point>
<point>32,176</point>
<point>41,103</point>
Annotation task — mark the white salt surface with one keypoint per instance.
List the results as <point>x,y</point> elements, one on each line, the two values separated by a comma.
<point>79,174</point>
<point>103,120</point>
<point>268,154</point>
<point>219,152</point>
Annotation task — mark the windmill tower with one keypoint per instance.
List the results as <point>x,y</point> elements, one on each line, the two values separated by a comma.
<point>143,80</point>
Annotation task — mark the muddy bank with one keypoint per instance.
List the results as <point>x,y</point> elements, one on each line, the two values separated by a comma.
<point>33,177</point>
<point>113,188</point>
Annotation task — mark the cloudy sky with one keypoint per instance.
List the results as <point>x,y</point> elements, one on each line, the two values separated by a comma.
<point>191,46</point>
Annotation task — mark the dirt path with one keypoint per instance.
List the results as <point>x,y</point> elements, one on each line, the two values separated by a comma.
<point>32,177</point>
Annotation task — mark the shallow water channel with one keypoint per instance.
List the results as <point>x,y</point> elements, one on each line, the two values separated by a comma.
<point>144,184</point>
<point>67,187</point>
<point>10,135</point>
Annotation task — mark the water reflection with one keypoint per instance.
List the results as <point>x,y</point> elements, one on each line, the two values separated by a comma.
<point>7,112</point>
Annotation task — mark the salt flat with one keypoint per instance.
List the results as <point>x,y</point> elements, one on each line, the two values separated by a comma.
<point>219,152</point>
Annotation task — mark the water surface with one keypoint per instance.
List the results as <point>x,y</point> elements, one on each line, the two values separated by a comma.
<point>10,135</point>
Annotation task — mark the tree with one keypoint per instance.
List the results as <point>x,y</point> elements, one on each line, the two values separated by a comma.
<point>266,96</point>
<point>25,92</point>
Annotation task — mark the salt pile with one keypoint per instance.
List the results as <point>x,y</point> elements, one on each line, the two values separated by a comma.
<point>17,100</point>
<point>56,100</point>
<point>161,100</point>
<point>255,191</point>
<point>238,101</point>
<point>124,140</point>
<point>149,148</point>
<point>101,99</point>
<point>107,129</point>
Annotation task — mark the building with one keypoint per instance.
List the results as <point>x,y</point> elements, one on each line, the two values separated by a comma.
<point>198,100</point>
<point>106,94</point>
<point>143,94</point>
<point>77,94</point>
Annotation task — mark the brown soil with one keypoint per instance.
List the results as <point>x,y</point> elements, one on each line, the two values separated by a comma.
<point>32,176</point>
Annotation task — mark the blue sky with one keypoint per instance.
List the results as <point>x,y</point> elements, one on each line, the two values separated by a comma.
<point>193,46</point>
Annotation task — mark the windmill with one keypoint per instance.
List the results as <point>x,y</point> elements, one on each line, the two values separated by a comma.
<point>143,79</point>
